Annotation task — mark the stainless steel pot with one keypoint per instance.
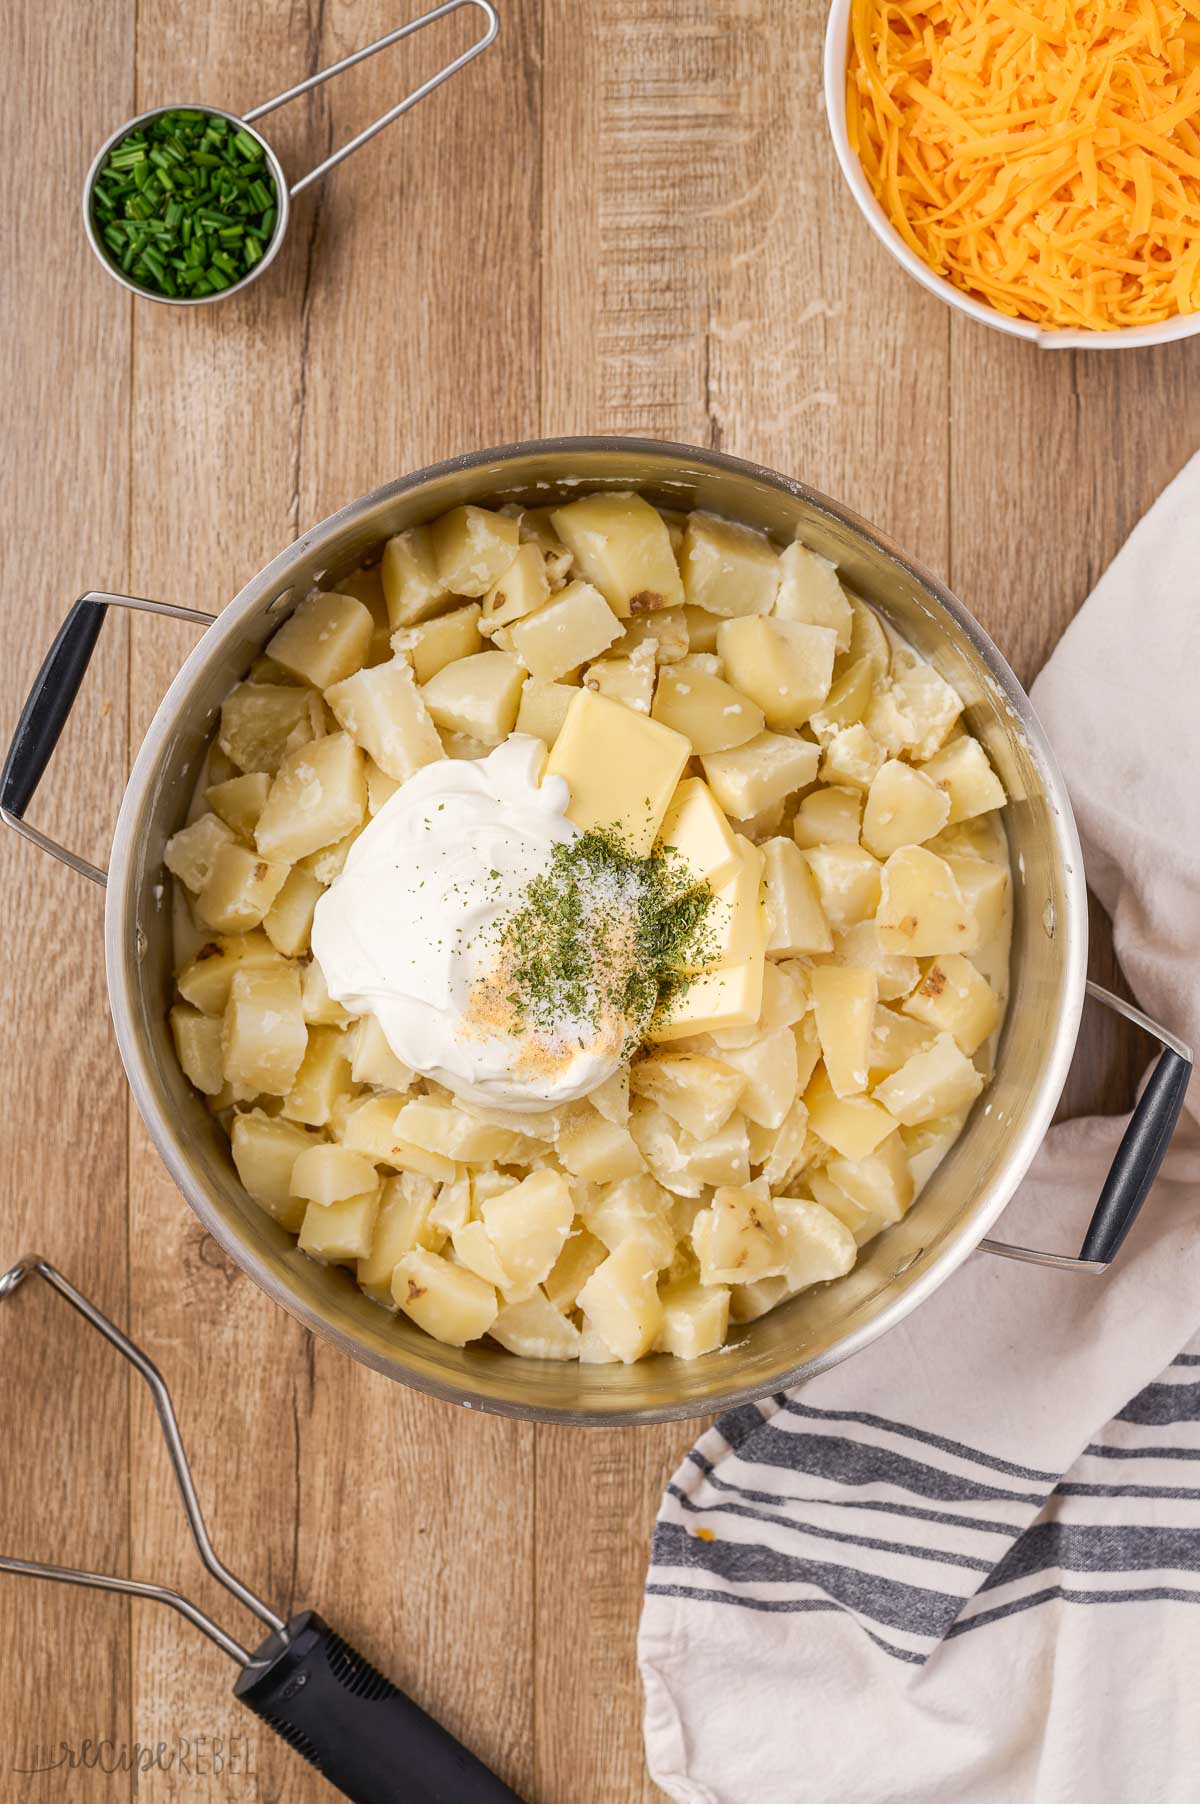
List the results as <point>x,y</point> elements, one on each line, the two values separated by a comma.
<point>895,1272</point>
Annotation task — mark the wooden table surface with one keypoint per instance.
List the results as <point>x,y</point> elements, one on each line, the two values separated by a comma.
<point>626,217</point>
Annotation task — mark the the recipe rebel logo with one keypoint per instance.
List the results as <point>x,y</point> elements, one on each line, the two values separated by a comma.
<point>187,1757</point>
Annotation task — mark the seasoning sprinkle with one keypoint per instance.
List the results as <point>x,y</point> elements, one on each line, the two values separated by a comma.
<point>185,204</point>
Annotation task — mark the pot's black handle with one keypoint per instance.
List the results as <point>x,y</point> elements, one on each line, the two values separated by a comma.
<point>1141,1152</point>
<point>48,708</point>
<point>366,1737</point>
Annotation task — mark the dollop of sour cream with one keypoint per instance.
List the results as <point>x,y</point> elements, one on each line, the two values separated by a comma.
<point>407,932</point>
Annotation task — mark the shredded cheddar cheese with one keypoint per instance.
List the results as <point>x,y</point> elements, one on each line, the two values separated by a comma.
<point>1042,155</point>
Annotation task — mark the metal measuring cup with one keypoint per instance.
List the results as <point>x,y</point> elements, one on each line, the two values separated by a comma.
<point>286,192</point>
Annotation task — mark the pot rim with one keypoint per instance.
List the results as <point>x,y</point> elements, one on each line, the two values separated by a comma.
<point>120,933</point>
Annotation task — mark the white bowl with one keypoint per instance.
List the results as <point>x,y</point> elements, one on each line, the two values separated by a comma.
<point>1124,338</point>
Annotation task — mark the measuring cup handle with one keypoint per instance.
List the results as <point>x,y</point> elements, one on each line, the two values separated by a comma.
<point>403,106</point>
<point>328,1702</point>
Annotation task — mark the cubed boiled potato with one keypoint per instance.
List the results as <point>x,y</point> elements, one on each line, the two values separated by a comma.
<point>844,1002</point>
<point>597,1150</point>
<point>795,918</point>
<point>728,997</point>
<point>329,1174</point>
<point>816,1246</point>
<point>528,1226</point>
<point>952,997</point>
<point>239,801</point>
<point>535,1329</point>
<point>288,921</point>
<point>852,1125</point>
<point>621,769</point>
<point>848,700</point>
<point>984,888</point>
<point>473,1248</point>
<point>448,1301</point>
<point>747,1302</point>
<point>695,1319</point>
<point>696,830</point>
<point>323,1077</point>
<point>782,665</point>
<point>709,712</point>
<point>263,1033</point>
<point>572,629</point>
<point>852,758</point>
<point>848,881</point>
<point>769,1067</point>
<point>543,708</point>
<point>939,1081</point>
<point>327,863</point>
<point>473,547</point>
<point>868,639</point>
<point>702,629</point>
<point>453,1205</point>
<point>320,1010</point>
<point>443,1128</point>
<point>665,633</point>
<point>197,1040</point>
<point>191,853</point>
<point>915,711</point>
<point>373,1061</point>
<point>828,817</point>
<point>479,695</point>
<point>240,887</point>
<point>622,545</point>
<point>433,644</point>
<point>755,776</point>
<point>927,1144</point>
<point>205,981</point>
<point>580,1256</point>
<point>265,1148</point>
<point>626,680</point>
<point>922,910</point>
<point>664,1146</point>
<point>326,638</point>
<point>412,587</point>
<point>384,713</point>
<point>809,592</point>
<point>881,1184</point>
<point>620,1301</point>
<point>903,808</point>
<point>961,769</point>
<point>370,1127</point>
<point>262,722</point>
<point>787,1149</point>
<point>521,590</point>
<point>319,795</point>
<point>401,1225</point>
<point>736,1239</point>
<point>894,1039</point>
<point>727,569</point>
<point>895,975</point>
<point>698,1092</point>
<point>634,1207</point>
<point>611,1097</point>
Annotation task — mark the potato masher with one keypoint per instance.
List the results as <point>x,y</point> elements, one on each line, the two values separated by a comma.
<point>286,192</point>
<point>305,1682</point>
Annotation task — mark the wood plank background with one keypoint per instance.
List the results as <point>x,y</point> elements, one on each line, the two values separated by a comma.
<point>625,218</point>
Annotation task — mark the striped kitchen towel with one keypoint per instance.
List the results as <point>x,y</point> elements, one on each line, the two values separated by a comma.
<point>966,1563</point>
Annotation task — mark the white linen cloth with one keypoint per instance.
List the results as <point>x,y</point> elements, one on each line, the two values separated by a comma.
<point>966,1563</point>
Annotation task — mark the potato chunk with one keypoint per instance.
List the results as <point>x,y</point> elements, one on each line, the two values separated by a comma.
<point>473,547</point>
<point>848,700</point>
<point>400,1225</point>
<point>844,1006</point>
<point>543,708</point>
<point>433,644</point>
<point>880,1184</point>
<point>371,1128</point>
<point>783,665</point>
<point>916,711</point>
<point>580,1256</point>
<point>828,817</point>
<point>633,1208</point>
<point>985,890</point>
<point>383,712</point>
<point>620,1301</point>
<point>479,695</point>
<point>191,853</point>
<point>197,1040</point>
<point>737,1237</point>
<point>795,919</point>
<point>573,628</point>
<point>848,882</point>
<point>239,801</point>
<point>443,1128</point>
<point>859,947</point>
<point>953,998</point>
<point>727,569</point>
<point>695,1319</point>
<point>241,886</point>
<point>903,808</point>
<point>374,1062</point>
<point>938,1081</point>
<point>852,757</point>
<point>621,769</point>
<point>318,796</point>
<point>627,680</point>
<point>922,910</point>
<point>523,588</point>
<point>712,714</point>
<point>264,1151</point>
<point>326,637</point>
<point>597,1150</point>
<point>816,1245</point>
<point>535,1329</point>
<point>412,587</point>
<point>449,1302</point>
<point>205,981</point>
<point>766,770</point>
<point>288,921</point>
<point>323,1077</point>
<point>852,1125</point>
<point>809,592</point>
<point>527,1225</point>
<point>698,1092</point>
<point>263,1035</point>
<point>262,722</point>
<point>769,1067</point>
<point>622,545</point>
<point>330,1174</point>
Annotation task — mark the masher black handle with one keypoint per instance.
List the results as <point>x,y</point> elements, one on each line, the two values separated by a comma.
<point>367,1738</point>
